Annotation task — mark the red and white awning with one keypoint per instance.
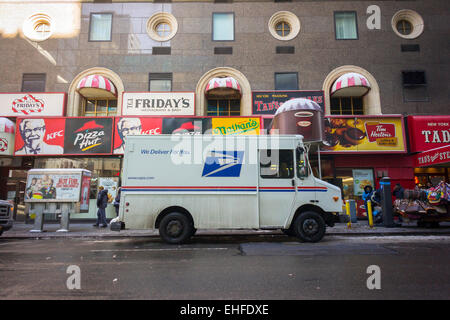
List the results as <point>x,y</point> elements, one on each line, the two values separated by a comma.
<point>223,83</point>
<point>7,126</point>
<point>350,85</point>
<point>96,86</point>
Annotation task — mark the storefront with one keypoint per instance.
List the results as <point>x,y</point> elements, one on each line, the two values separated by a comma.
<point>360,150</point>
<point>97,144</point>
<point>430,143</point>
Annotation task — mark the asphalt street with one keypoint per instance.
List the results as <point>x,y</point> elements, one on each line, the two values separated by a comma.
<point>221,267</point>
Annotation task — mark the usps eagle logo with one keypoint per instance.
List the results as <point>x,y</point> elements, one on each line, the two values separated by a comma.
<point>223,164</point>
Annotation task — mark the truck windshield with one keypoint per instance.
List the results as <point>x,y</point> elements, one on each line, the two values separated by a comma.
<point>276,164</point>
<point>302,165</point>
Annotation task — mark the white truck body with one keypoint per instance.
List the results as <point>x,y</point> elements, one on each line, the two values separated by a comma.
<point>220,183</point>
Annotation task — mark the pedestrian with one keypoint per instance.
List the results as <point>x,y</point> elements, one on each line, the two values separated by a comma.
<point>102,202</point>
<point>117,202</point>
<point>367,194</point>
<point>398,192</point>
<point>376,202</point>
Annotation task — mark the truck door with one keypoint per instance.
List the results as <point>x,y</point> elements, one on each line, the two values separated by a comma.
<point>277,189</point>
<point>307,188</point>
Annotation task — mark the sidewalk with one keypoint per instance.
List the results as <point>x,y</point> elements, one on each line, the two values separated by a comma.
<point>21,230</point>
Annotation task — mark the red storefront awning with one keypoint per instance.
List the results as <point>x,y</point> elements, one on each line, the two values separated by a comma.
<point>350,85</point>
<point>434,157</point>
<point>96,86</point>
<point>223,83</point>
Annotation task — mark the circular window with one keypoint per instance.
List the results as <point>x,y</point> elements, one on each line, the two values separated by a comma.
<point>404,27</point>
<point>284,25</point>
<point>38,27</point>
<point>407,24</point>
<point>162,26</point>
<point>283,28</point>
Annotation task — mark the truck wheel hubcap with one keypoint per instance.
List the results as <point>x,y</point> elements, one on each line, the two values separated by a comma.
<point>174,228</point>
<point>310,226</point>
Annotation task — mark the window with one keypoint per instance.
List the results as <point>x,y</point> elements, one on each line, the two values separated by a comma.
<point>224,107</point>
<point>404,27</point>
<point>347,106</point>
<point>99,107</point>
<point>160,82</point>
<point>162,26</point>
<point>284,25</point>
<point>33,82</point>
<point>345,25</point>
<point>276,164</point>
<point>283,28</point>
<point>407,24</point>
<point>38,27</point>
<point>302,164</point>
<point>286,81</point>
<point>223,27</point>
<point>100,28</point>
<point>414,86</point>
<point>163,30</point>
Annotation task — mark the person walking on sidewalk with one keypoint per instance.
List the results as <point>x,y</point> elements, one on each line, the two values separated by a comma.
<point>102,202</point>
<point>117,202</point>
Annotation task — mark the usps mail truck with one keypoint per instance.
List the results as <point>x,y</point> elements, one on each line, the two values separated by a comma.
<point>181,183</point>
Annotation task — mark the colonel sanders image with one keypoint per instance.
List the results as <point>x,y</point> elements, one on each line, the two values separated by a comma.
<point>33,133</point>
<point>127,126</point>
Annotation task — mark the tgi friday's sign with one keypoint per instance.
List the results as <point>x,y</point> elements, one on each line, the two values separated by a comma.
<point>158,103</point>
<point>32,104</point>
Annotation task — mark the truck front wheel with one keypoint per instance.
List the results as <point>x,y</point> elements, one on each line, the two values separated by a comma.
<point>175,228</point>
<point>309,226</point>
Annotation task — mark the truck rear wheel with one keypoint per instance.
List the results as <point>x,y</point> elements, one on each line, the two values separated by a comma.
<point>175,228</point>
<point>309,226</point>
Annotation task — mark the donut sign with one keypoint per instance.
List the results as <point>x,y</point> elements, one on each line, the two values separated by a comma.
<point>31,104</point>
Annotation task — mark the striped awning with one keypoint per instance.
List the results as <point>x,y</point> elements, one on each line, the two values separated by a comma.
<point>223,83</point>
<point>350,85</point>
<point>96,86</point>
<point>7,125</point>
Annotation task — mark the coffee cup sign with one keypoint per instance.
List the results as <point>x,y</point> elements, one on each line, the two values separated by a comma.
<point>299,116</point>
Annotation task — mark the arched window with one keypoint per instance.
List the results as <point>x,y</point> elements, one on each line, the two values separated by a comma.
<point>223,97</point>
<point>95,92</point>
<point>351,90</point>
<point>346,95</point>
<point>99,96</point>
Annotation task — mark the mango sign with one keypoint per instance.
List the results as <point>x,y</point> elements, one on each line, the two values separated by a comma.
<point>238,126</point>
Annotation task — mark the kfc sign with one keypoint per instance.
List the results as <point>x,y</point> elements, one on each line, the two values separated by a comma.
<point>429,132</point>
<point>68,136</point>
<point>125,126</point>
<point>158,103</point>
<point>32,104</point>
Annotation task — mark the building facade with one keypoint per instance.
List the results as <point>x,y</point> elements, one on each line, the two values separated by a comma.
<point>101,56</point>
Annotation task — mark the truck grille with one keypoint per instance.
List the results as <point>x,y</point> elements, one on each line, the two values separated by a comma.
<point>4,212</point>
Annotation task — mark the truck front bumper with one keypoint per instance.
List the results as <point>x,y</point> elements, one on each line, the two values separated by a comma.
<point>6,225</point>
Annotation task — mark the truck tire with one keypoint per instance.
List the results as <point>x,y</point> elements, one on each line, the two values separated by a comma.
<point>309,226</point>
<point>175,228</point>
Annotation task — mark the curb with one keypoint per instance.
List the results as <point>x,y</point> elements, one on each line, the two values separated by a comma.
<point>53,235</point>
